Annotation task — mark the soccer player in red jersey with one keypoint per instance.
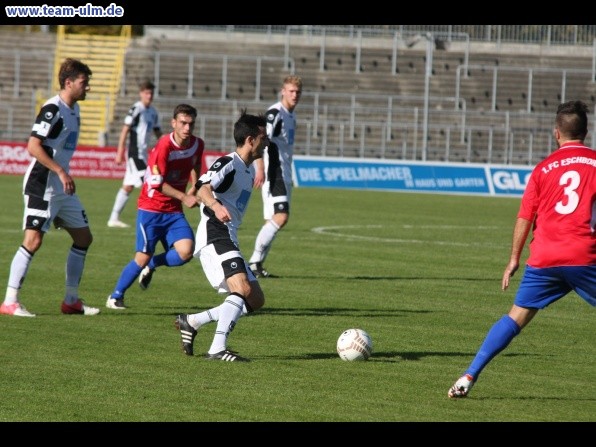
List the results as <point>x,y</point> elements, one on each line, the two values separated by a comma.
<point>559,204</point>
<point>174,162</point>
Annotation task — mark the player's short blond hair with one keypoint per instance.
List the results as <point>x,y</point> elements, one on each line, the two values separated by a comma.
<point>294,80</point>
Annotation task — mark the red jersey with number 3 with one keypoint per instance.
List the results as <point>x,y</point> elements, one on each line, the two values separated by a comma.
<point>173,163</point>
<point>561,200</point>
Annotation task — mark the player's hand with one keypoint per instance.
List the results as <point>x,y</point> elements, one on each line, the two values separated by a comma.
<point>190,201</point>
<point>68,183</point>
<point>508,273</point>
<point>221,212</point>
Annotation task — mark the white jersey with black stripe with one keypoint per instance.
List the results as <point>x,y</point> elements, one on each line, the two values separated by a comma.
<point>57,126</point>
<point>281,129</point>
<point>142,122</point>
<point>232,183</point>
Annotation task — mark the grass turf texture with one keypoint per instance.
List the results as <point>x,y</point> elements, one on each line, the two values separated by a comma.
<point>420,273</point>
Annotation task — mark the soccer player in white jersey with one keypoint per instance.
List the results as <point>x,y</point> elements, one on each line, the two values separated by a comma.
<point>224,191</point>
<point>274,171</point>
<point>141,121</point>
<point>50,192</point>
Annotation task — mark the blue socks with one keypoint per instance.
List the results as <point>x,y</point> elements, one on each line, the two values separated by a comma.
<point>127,277</point>
<point>497,339</point>
<point>170,258</point>
<point>132,271</point>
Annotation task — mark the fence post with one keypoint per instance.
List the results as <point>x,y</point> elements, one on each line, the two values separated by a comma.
<point>322,56</point>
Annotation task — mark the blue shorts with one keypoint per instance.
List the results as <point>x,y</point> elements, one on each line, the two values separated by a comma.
<point>540,287</point>
<point>166,228</point>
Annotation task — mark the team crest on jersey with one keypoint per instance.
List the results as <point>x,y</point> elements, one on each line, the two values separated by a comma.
<point>49,115</point>
<point>234,265</point>
<point>216,165</point>
<point>270,117</point>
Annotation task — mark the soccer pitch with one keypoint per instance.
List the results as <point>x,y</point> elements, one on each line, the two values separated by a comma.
<point>420,273</point>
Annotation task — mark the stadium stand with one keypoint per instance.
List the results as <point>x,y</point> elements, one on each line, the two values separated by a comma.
<point>414,98</point>
<point>26,65</point>
<point>105,54</point>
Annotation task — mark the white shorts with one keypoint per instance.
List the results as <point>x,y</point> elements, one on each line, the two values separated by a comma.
<point>275,204</point>
<point>135,172</point>
<point>64,210</point>
<point>219,266</point>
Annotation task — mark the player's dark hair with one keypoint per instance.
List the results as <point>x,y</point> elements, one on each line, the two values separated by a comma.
<point>248,126</point>
<point>185,109</point>
<point>572,120</point>
<point>146,85</point>
<point>71,69</point>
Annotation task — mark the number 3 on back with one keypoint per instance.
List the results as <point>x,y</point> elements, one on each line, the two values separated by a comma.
<point>570,180</point>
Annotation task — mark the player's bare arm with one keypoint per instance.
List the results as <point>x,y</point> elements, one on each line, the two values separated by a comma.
<point>187,199</point>
<point>520,234</point>
<point>206,196</point>
<point>194,176</point>
<point>259,173</point>
<point>37,151</point>
<point>122,144</point>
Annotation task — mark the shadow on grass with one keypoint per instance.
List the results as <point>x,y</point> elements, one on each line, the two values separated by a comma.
<point>379,278</point>
<point>170,311</point>
<point>390,356</point>
<point>325,311</point>
<point>423,278</point>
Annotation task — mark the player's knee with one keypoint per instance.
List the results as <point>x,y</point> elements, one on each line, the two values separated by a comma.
<point>185,249</point>
<point>32,245</point>
<point>185,255</point>
<point>244,288</point>
<point>82,239</point>
<point>281,219</point>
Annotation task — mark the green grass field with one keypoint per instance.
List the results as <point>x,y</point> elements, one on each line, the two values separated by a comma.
<point>420,273</point>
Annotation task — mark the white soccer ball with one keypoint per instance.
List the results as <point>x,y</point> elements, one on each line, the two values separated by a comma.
<point>354,345</point>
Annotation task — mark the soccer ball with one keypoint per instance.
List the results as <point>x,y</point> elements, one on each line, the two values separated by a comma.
<point>354,345</point>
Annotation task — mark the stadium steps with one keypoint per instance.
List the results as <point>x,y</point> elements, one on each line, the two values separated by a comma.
<point>336,83</point>
<point>26,64</point>
<point>105,56</point>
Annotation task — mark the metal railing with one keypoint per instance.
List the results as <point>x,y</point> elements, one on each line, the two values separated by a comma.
<point>194,65</point>
<point>428,127</point>
<point>397,38</point>
<point>42,59</point>
<point>502,72</point>
<point>6,122</point>
<point>387,126</point>
<point>498,34</point>
<point>457,136</point>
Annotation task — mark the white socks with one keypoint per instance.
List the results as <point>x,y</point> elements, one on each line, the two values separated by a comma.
<point>263,242</point>
<point>119,204</point>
